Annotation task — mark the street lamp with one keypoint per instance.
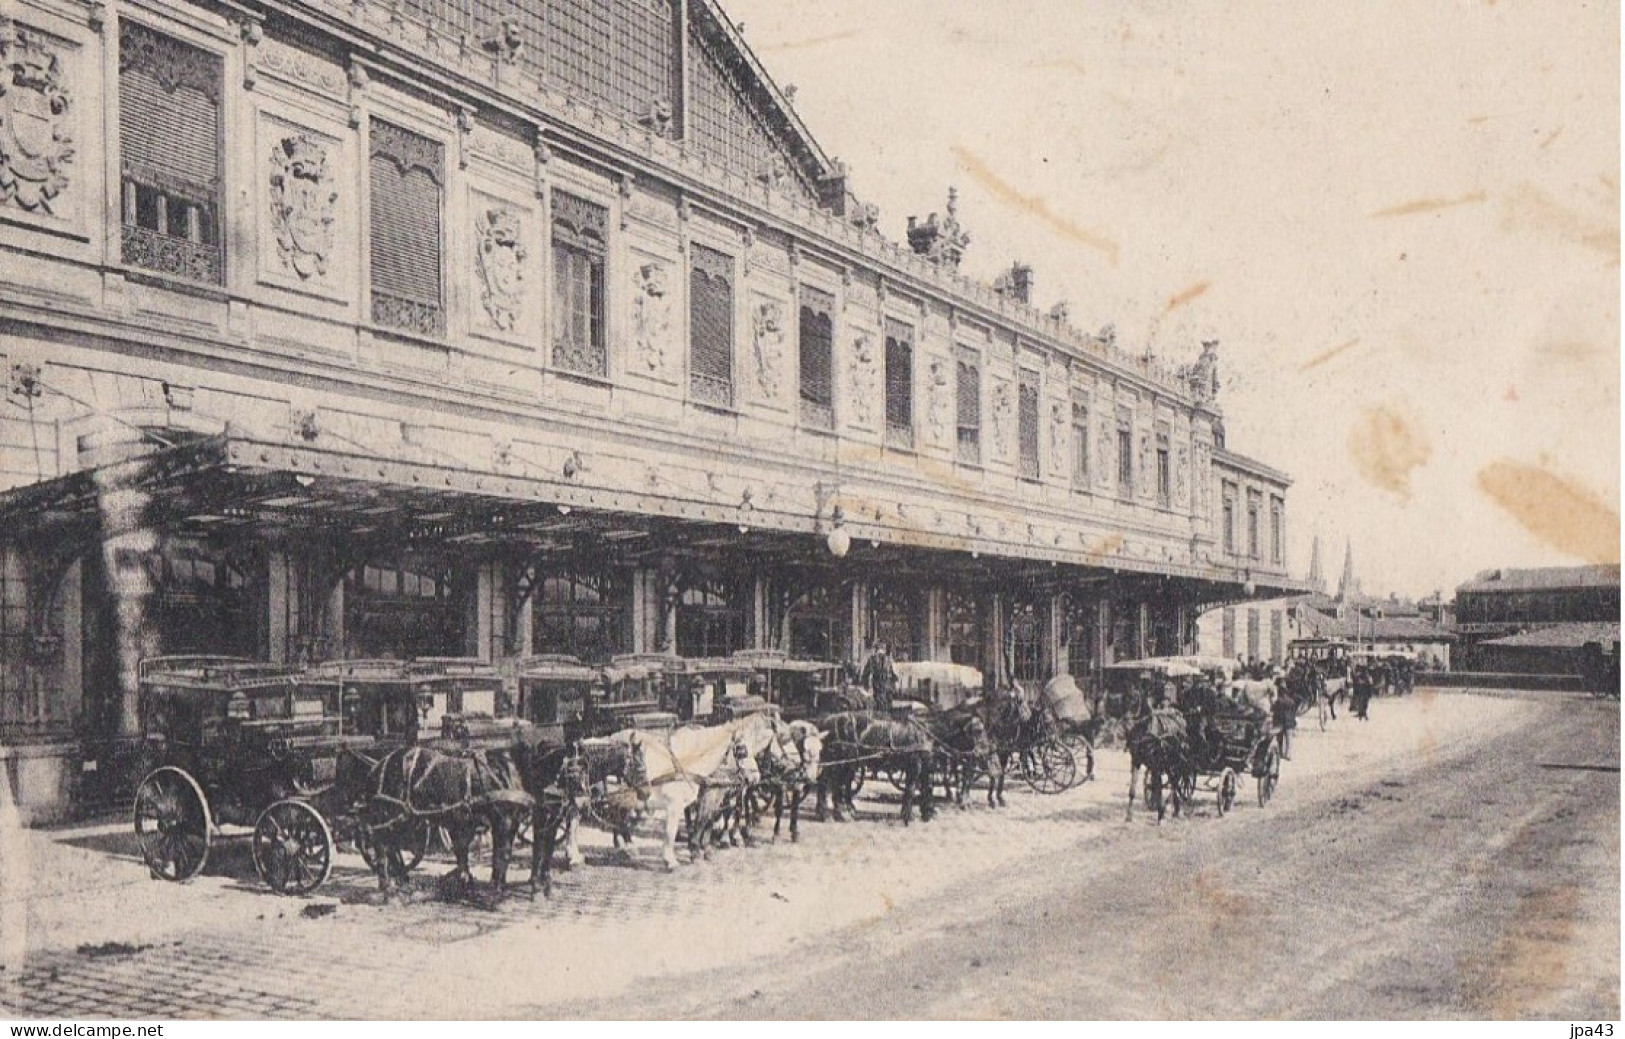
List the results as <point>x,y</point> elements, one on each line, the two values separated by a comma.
<point>838,541</point>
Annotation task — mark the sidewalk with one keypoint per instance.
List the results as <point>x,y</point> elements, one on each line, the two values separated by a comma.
<point>106,940</point>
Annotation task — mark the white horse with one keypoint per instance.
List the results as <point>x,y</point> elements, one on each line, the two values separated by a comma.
<point>690,760</point>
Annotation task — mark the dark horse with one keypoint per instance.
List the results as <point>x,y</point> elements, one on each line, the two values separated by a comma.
<point>856,739</point>
<point>1158,742</point>
<point>1010,723</point>
<point>616,776</point>
<point>965,751</point>
<point>460,791</point>
<point>556,779</point>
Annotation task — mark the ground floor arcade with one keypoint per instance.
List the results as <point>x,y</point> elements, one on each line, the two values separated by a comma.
<point>206,548</point>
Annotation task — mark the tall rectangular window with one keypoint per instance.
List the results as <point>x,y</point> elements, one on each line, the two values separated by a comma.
<point>170,144</point>
<point>899,384</point>
<point>1229,519</point>
<point>817,348</point>
<point>579,238</point>
<point>1277,531</point>
<point>1080,446</point>
<point>968,394</point>
<point>1253,634</point>
<point>1125,455</point>
<point>711,326</point>
<point>1027,423</point>
<point>407,175</point>
<point>1254,507</point>
<point>1164,483</point>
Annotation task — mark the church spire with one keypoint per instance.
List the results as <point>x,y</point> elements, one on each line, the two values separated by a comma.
<point>1347,586</point>
<point>1317,580</point>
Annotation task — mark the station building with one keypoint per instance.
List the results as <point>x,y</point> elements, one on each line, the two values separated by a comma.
<point>402,328</point>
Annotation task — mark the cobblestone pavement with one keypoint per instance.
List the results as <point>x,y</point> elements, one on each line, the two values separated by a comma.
<point>105,941</point>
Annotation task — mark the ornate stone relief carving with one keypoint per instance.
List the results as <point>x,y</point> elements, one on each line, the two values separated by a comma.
<point>297,66</point>
<point>651,315</point>
<point>1060,416</point>
<point>861,375</point>
<point>769,343</point>
<point>939,394</point>
<point>35,145</point>
<point>1182,463</point>
<point>302,204</point>
<point>500,259</point>
<point>1105,450</point>
<point>501,148</point>
<point>1004,413</point>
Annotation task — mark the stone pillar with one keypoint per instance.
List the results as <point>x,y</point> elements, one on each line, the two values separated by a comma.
<point>278,595</point>
<point>760,637</point>
<point>73,638</point>
<point>1103,632</point>
<point>860,622</point>
<point>994,635</point>
<point>1055,648</point>
<point>1142,635</point>
<point>936,624</point>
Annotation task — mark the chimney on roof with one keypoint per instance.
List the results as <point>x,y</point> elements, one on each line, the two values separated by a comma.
<point>1017,283</point>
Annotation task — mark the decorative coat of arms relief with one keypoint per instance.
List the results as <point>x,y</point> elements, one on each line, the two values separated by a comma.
<point>1004,413</point>
<point>302,204</point>
<point>942,402</point>
<point>35,146</point>
<point>500,259</point>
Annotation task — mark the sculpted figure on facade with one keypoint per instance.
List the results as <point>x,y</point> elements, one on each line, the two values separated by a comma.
<point>1104,446</point>
<point>1004,411</point>
<point>1182,463</point>
<point>500,259</point>
<point>1202,376</point>
<point>651,315</point>
<point>1060,416</point>
<point>35,145</point>
<point>768,337</point>
<point>940,395</point>
<point>302,205</point>
<point>861,373</point>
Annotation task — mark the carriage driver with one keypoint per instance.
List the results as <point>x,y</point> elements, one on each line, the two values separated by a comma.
<point>880,677</point>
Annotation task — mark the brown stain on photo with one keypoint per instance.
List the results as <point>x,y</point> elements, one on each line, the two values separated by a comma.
<point>1386,448</point>
<point>1036,205</point>
<point>1184,296</point>
<point>1529,961</point>
<point>1326,355</point>
<point>1420,206</point>
<point>1528,209</point>
<point>1559,512</point>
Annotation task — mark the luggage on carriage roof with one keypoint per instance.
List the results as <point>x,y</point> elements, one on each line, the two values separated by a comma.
<point>1066,700</point>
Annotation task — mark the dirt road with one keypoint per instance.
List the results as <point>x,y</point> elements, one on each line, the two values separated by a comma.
<point>1478,878</point>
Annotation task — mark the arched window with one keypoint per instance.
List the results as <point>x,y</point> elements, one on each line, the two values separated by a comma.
<point>201,601</point>
<point>403,608</point>
<point>1026,641</point>
<point>966,639</point>
<point>898,615</point>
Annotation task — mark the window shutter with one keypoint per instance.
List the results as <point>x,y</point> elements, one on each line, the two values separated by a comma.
<point>899,384</point>
<point>407,172</point>
<point>968,392</point>
<point>169,144</point>
<point>1027,421</point>
<point>711,330</point>
<point>580,231</point>
<point>817,345</point>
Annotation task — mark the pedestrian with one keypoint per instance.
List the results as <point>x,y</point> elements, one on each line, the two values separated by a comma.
<point>880,677</point>
<point>1362,693</point>
<point>1285,710</point>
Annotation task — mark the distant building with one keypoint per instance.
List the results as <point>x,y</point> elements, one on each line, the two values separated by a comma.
<point>1499,604</point>
<point>1556,649</point>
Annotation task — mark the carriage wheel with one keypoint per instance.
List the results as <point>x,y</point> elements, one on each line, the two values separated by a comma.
<point>1050,768</point>
<point>293,848</point>
<point>1185,788</point>
<point>413,848</point>
<point>1082,750</point>
<point>858,776</point>
<point>172,824</point>
<point>1269,774</point>
<point>1227,791</point>
<point>894,777</point>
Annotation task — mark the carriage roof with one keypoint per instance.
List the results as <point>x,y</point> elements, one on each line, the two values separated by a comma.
<point>772,660</point>
<point>212,674</point>
<point>555,667</point>
<point>1163,667</point>
<point>1205,663</point>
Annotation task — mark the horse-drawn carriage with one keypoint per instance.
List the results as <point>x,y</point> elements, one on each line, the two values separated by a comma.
<point>800,689</point>
<point>238,743</point>
<point>1232,741</point>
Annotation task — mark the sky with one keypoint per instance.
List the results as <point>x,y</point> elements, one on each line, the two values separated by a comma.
<point>1400,220</point>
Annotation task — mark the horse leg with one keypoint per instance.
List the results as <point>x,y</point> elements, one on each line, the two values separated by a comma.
<point>928,810</point>
<point>674,819</point>
<point>542,821</point>
<point>910,778</point>
<point>1133,787</point>
<point>796,796</point>
<point>502,834</point>
<point>572,849</point>
<point>1155,772</point>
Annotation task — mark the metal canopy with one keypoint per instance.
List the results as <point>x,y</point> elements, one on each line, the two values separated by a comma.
<point>228,487</point>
